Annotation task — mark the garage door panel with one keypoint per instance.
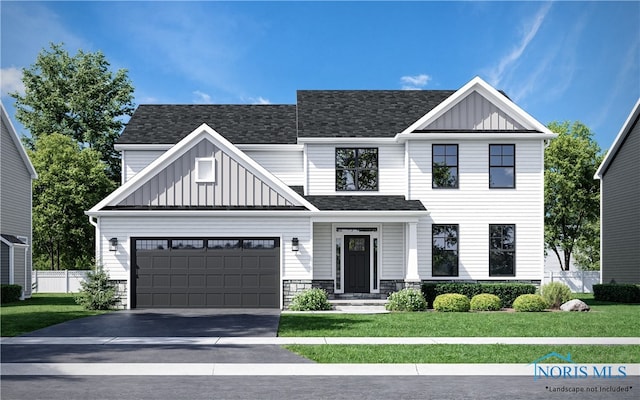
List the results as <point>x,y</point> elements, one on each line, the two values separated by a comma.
<point>208,276</point>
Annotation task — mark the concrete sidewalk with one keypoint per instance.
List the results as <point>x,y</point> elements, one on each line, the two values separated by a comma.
<point>224,341</point>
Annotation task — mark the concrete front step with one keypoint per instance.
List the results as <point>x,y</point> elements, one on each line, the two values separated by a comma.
<point>358,303</point>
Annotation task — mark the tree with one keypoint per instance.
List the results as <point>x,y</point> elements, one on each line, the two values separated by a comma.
<point>571,194</point>
<point>70,180</point>
<point>78,97</point>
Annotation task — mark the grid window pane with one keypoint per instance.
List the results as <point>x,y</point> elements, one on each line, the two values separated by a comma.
<point>502,166</point>
<point>444,166</point>
<point>502,250</point>
<point>187,244</point>
<point>152,244</point>
<point>356,169</point>
<point>444,252</point>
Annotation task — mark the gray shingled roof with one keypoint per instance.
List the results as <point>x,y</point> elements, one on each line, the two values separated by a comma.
<point>319,113</point>
<point>12,239</point>
<point>365,203</point>
<point>363,113</point>
<point>240,124</point>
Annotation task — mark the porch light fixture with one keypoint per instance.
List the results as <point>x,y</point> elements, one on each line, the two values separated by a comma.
<point>113,244</point>
<point>295,244</point>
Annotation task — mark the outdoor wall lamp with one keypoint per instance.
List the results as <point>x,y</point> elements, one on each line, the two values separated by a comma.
<point>295,244</point>
<point>113,244</point>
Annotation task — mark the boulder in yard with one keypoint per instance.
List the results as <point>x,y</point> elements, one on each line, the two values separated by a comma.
<point>575,305</point>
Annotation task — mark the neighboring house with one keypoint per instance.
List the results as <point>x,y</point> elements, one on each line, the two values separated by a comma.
<point>16,174</point>
<point>619,176</point>
<point>363,192</point>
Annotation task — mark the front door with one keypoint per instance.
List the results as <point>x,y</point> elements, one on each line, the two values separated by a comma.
<point>357,263</point>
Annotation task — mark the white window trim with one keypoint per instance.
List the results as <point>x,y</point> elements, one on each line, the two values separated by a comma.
<point>356,230</point>
<point>210,179</point>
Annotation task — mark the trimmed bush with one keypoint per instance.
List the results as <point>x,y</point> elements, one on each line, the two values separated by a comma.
<point>310,300</point>
<point>10,293</point>
<point>529,303</point>
<point>451,302</point>
<point>97,291</point>
<point>507,292</point>
<point>555,294</point>
<point>485,302</point>
<point>618,293</point>
<point>406,300</point>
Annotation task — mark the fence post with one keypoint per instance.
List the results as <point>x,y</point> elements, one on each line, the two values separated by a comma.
<point>66,280</point>
<point>35,281</point>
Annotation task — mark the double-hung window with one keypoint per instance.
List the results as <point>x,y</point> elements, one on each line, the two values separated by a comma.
<point>502,166</point>
<point>444,166</point>
<point>444,251</point>
<point>356,169</point>
<point>502,250</point>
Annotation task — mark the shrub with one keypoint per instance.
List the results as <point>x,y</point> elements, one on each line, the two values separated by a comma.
<point>619,293</point>
<point>10,293</point>
<point>485,302</point>
<point>97,291</point>
<point>555,294</point>
<point>406,300</point>
<point>451,302</point>
<point>529,303</point>
<point>507,292</point>
<point>310,300</point>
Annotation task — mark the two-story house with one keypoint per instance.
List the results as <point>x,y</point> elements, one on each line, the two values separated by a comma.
<point>16,175</point>
<point>351,191</point>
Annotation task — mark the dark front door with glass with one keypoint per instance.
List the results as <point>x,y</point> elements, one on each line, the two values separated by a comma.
<point>357,264</point>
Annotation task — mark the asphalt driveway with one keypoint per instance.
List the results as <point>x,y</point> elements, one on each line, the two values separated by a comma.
<point>170,323</point>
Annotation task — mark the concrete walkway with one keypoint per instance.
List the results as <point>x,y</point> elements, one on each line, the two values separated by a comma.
<point>262,340</point>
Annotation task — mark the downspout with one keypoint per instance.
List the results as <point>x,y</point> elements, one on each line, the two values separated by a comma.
<point>98,250</point>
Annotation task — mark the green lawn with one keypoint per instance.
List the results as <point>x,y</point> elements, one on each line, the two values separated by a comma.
<point>451,354</point>
<point>604,319</point>
<point>38,312</point>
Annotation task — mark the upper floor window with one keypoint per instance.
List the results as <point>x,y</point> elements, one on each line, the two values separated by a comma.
<point>356,169</point>
<point>502,250</point>
<point>502,166</point>
<point>444,169</point>
<point>444,253</point>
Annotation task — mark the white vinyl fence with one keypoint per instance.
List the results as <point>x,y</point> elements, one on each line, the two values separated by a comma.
<point>57,281</point>
<point>578,281</point>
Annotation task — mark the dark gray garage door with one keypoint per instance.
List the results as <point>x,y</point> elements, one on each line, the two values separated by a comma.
<point>206,272</point>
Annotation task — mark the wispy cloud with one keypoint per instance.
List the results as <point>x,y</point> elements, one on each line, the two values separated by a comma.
<point>414,82</point>
<point>258,100</point>
<point>201,97</point>
<point>530,30</point>
<point>11,80</point>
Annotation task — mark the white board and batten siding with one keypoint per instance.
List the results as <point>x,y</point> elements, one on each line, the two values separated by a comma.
<point>296,265</point>
<point>473,206</point>
<point>176,184</point>
<point>321,167</point>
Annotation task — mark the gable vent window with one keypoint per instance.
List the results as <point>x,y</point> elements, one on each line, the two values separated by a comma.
<point>356,169</point>
<point>205,170</point>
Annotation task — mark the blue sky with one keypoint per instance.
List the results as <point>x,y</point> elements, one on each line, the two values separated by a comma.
<point>556,60</point>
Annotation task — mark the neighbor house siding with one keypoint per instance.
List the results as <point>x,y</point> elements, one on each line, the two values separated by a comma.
<point>176,184</point>
<point>4,264</point>
<point>474,112</point>
<point>296,265</point>
<point>473,206</point>
<point>321,167</point>
<point>134,161</point>
<point>15,198</point>
<point>621,213</point>
<point>288,166</point>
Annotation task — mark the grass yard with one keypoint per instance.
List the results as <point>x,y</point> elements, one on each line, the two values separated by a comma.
<point>38,312</point>
<point>604,319</point>
<point>454,353</point>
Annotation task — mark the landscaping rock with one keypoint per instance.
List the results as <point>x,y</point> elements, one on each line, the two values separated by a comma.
<point>575,305</point>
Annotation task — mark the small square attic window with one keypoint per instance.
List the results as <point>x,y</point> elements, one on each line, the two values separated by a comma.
<point>205,170</point>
